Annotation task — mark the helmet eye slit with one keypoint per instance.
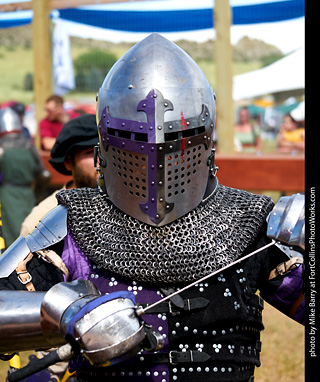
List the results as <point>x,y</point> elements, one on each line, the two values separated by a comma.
<point>174,135</point>
<point>133,136</point>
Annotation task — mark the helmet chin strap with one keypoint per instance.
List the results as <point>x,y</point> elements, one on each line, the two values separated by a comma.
<point>212,180</point>
<point>211,187</point>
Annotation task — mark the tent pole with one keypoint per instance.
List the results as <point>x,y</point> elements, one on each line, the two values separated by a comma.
<point>42,59</point>
<point>223,54</point>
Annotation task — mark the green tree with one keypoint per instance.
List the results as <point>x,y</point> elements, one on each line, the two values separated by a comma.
<point>91,68</point>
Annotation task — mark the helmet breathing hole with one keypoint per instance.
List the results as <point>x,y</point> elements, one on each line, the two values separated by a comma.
<point>132,168</point>
<point>181,169</point>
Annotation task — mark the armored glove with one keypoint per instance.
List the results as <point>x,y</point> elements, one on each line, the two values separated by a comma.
<point>286,222</point>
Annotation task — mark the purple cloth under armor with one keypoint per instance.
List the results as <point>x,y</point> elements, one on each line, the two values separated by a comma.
<point>288,292</point>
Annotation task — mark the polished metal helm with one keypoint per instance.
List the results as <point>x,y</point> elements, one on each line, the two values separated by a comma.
<point>9,121</point>
<point>156,117</point>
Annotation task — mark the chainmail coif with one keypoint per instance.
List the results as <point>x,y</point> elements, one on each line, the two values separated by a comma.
<point>207,238</point>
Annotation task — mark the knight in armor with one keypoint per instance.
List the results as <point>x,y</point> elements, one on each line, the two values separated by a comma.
<point>21,173</point>
<point>159,222</point>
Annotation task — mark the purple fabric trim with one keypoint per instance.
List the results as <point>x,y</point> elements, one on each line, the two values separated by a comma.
<point>77,263</point>
<point>289,291</point>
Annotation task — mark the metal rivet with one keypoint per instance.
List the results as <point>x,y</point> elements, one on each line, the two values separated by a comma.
<point>159,127</point>
<point>130,86</point>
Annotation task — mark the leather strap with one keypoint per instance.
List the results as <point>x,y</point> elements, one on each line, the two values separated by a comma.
<point>170,307</point>
<point>52,257</point>
<point>23,275</point>
<point>175,357</point>
<point>286,267</point>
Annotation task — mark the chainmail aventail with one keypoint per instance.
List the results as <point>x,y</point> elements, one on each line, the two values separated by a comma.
<point>207,238</point>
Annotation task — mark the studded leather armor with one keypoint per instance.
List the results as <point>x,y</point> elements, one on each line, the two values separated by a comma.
<point>215,336</point>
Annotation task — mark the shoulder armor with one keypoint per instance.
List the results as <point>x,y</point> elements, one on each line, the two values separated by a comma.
<point>51,229</point>
<point>286,222</point>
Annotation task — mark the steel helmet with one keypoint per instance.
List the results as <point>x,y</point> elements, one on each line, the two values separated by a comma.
<point>156,116</point>
<point>9,121</point>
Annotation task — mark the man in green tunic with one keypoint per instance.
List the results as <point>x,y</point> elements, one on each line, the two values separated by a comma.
<point>20,170</point>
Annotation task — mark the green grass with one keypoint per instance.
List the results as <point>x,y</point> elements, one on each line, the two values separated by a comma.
<point>209,69</point>
<point>282,357</point>
<point>14,65</point>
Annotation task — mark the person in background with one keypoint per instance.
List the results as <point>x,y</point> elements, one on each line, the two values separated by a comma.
<point>21,170</point>
<point>72,154</point>
<point>247,135</point>
<point>20,109</point>
<point>51,125</point>
<point>291,138</point>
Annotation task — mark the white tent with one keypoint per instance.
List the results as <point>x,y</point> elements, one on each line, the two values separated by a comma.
<point>283,75</point>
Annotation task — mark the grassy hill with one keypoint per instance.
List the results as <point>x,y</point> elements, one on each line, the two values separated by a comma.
<point>16,59</point>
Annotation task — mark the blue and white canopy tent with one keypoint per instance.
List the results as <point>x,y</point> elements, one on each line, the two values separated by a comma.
<point>166,15</point>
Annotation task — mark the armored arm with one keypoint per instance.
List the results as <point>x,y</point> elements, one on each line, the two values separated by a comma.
<point>284,287</point>
<point>31,321</point>
<point>72,314</point>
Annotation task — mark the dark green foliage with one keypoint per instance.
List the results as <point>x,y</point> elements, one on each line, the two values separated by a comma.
<point>91,69</point>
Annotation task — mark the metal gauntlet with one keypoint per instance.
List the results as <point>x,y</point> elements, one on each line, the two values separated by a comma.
<point>286,222</point>
<point>104,328</point>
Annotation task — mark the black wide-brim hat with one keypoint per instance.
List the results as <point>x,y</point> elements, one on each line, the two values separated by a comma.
<point>78,132</point>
